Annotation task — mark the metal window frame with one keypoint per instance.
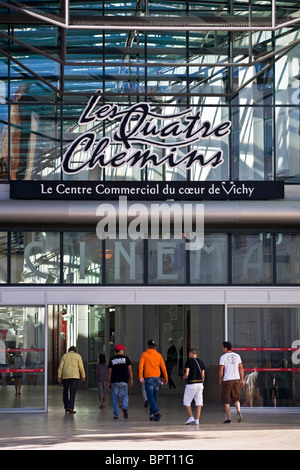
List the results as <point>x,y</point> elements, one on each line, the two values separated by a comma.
<point>66,21</point>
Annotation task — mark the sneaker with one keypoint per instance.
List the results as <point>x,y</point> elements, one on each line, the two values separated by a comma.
<point>239,417</point>
<point>227,421</point>
<point>157,416</point>
<point>116,417</point>
<point>125,414</point>
<point>196,421</point>
<point>190,421</point>
<point>151,418</point>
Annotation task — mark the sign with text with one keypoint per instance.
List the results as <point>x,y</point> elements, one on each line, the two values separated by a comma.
<point>139,136</point>
<point>139,190</point>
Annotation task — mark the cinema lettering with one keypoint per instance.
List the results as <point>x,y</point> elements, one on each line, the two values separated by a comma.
<point>140,126</point>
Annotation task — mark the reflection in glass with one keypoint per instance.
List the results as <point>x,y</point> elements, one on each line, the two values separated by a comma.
<point>35,257</point>
<point>252,259</point>
<point>166,69</point>
<point>3,257</point>
<point>4,138</point>
<point>166,261</point>
<point>288,258</point>
<point>288,142</point>
<point>98,342</point>
<point>22,357</point>
<point>209,265</point>
<point>165,324</point>
<point>124,261</point>
<point>273,330</point>
<point>82,258</point>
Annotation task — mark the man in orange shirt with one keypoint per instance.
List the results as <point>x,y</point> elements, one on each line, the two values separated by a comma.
<point>150,368</point>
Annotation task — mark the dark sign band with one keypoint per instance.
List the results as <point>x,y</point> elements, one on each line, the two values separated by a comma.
<point>139,190</point>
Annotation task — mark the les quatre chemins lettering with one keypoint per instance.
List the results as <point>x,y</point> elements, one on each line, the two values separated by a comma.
<point>139,125</point>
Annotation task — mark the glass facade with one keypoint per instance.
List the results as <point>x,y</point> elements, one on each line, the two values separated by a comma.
<point>22,358</point>
<point>264,337</point>
<point>74,258</point>
<point>47,76</point>
<point>150,91</point>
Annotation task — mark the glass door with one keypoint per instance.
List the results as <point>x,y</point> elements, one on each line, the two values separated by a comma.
<point>265,338</point>
<point>22,358</point>
<point>166,325</point>
<point>177,328</point>
<point>101,338</point>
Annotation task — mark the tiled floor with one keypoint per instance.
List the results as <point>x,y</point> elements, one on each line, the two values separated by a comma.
<point>92,428</point>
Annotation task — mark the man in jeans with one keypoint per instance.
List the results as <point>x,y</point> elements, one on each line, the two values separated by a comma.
<point>119,373</point>
<point>150,368</point>
<point>70,370</point>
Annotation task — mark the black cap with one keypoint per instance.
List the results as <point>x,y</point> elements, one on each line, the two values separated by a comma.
<point>151,342</point>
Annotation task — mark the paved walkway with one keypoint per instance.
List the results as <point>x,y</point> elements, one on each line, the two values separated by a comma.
<point>94,429</point>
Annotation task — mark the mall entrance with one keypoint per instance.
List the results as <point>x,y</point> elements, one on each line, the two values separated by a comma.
<point>264,337</point>
<point>175,328</point>
<point>34,336</point>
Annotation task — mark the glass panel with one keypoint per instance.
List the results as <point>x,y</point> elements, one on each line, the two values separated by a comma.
<point>124,262</point>
<point>4,138</point>
<point>101,338</point>
<point>32,87</point>
<point>35,142</point>
<point>207,335</point>
<point>176,329</point>
<point>84,45</point>
<point>167,261</point>
<point>96,319</point>
<point>288,258</point>
<point>35,258</point>
<point>209,265</point>
<point>82,258</point>
<point>252,259</point>
<point>214,150</point>
<point>165,324</point>
<point>287,143</point>
<point>83,77</point>
<point>252,138</point>
<point>287,70</point>
<point>4,70</point>
<point>271,373</point>
<point>22,357</point>
<point>3,257</point>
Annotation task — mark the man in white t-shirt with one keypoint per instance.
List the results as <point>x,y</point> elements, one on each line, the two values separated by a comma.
<point>231,377</point>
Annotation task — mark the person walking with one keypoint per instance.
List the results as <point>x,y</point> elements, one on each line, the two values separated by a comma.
<point>18,363</point>
<point>195,376</point>
<point>171,362</point>
<point>119,377</point>
<point>70,371</point>
<point>150,368</point>
<point>231,377</point>
<point>102,379</point>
